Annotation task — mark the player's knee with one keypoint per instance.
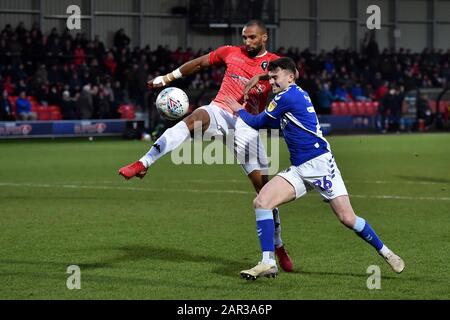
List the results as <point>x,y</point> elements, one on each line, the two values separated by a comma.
<point>198,119</point>
<point>256,203</point>
<point>202,116</point>
<point>261,203</point>
<point>347,219</point>
<point>344,211</point>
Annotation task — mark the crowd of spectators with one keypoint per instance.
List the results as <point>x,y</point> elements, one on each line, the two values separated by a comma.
<point>88,80</point>
<point>368,75</point>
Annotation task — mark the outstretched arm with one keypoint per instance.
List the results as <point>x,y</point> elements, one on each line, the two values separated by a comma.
<point>259,121</point>
<point>186,69</point>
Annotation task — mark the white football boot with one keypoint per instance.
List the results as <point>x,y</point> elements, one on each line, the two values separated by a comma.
<point>261,269</point>
<point>397,264</point>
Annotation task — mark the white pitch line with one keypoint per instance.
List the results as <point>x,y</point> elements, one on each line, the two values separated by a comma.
<point>401,182</point>
<point>245,181</point>
<point>401,197</point>
<point>75,186</point>
<point>346,181</point>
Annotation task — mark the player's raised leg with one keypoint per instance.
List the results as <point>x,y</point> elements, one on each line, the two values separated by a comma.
<point>344,211</point>
<point>277,191</point>
<point>169,140</point>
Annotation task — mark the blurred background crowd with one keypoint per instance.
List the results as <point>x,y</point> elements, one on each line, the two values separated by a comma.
<point>87,80</point>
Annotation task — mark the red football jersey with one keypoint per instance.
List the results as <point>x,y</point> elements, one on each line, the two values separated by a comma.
<point>240,69</point>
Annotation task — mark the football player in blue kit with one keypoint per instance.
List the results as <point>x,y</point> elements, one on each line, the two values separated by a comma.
<point>312,167</point>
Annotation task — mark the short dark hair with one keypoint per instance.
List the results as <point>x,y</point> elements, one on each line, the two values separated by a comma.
<point>284,63</point>
<point>257,23</point>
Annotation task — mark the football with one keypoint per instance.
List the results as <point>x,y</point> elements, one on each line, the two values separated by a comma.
<point>172,103</point>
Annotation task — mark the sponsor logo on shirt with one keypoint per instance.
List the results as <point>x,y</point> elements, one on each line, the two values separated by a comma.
<point>271,106</point>
<point>241,80</point>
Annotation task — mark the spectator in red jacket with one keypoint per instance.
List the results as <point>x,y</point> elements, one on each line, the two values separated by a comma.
<point>80,56</point>
<point>111,63</point>
<point>382,90</point>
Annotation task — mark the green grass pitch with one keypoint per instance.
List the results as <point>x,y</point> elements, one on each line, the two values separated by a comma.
<point>185,232</point>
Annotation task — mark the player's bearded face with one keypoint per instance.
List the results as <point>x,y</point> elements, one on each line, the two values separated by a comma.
<point>253,52</point>
<point>253,40</point>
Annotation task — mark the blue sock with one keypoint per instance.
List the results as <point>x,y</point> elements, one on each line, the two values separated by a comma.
<point>365,231</point>
<point>265,228</point>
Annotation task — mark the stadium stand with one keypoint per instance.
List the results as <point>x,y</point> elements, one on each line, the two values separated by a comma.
<point>45,66</point>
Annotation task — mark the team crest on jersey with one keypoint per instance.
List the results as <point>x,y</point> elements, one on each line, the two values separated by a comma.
<point>271,106</point>
<point>264,65</point>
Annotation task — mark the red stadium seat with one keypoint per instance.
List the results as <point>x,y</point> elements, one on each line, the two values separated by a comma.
<point>375,105</point>
<point>34,106</point>
<point>53,109</point>
<point>55,115</point>
<point>343,110</point>
<point>127,111</point>
<point>367,108</point>
<point>371,108</point>
<point>360,109</point>
<point>32,99</point>
<point>351,108</point>
<point>43,113</point>
<point>49,113</point>
<point>335,108</point>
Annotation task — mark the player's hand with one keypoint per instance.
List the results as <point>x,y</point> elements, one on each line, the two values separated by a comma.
<point>233,104</point>
<point>249,85</point>
<point>158,82</point>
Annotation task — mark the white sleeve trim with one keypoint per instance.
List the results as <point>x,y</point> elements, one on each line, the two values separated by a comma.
<point>270,115</point>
